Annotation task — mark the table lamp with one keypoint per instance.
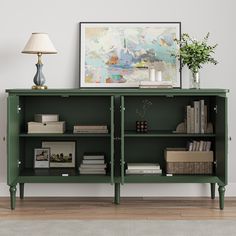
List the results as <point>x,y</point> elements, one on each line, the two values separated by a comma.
<point>39,43</point>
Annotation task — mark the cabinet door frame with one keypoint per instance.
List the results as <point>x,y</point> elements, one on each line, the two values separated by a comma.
<point>122,126</point>
<point>13,131</point>
<point>221,131</point>
<point>112,139</point>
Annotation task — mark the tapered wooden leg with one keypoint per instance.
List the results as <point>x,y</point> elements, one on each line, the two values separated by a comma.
<point>117,193</point>
<point>213,190</point>
<point>222,196</point>
<point>21,190</point>
<point>13,197</point>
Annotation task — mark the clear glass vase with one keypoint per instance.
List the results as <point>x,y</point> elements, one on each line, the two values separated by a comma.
<point>194,80</point>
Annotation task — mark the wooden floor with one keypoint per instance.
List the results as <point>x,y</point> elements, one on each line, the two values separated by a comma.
<point>130,208</point>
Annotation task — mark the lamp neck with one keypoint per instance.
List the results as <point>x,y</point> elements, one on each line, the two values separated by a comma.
<point>39,58</point>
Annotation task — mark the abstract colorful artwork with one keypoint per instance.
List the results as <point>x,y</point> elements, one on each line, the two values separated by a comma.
<point>120,54</point>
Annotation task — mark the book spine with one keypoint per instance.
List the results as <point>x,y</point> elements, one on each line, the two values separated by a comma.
<point>192,120</point>
<point>202,117</point>
<point>196,116</point>
<point>188,118</point>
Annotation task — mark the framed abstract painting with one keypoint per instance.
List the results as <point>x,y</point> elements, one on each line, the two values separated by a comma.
<point>119,54</point>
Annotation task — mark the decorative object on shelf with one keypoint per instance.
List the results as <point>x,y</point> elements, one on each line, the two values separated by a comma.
<point>62,153</point>
<point>39,43</point>
<point>119,54</point>
<point>142,125</point>
<point>195,54</point>
<point>41,157</point>
<point>181,161</point>
<point>51,127</point>
<point>180,128</point>
<point>43,118</point>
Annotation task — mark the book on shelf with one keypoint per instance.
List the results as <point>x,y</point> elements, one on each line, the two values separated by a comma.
<point>90,127</point>
<point>103,129</point>
<point>93,162</point>
<point>92,172</point>
<point>91,131</point>
<point>143,166</point>
<point>199,146</point>
<point>155,84</point>
<point>145,171</point>
<point>93,156</point>
<point>196,105</point>
<point>93,166</point>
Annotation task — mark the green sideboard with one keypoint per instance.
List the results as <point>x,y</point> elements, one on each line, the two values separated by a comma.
<point>118,109</point>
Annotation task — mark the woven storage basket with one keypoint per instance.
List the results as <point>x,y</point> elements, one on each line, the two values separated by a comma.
<point>179,161</point>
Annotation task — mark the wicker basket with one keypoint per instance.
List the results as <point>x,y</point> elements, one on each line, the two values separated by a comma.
<point>180,161</point>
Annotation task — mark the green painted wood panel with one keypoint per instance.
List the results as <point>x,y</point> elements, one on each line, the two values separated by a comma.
<point>135,92</point>
<point>221,147</point>
<point>112,139</point>
<point>122,161</point>
<point>12,139</point>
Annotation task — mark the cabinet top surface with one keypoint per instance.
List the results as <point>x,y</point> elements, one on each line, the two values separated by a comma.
<point>137,91</point>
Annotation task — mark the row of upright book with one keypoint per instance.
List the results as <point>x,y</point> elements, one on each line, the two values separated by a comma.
<point>197,117</point>
<point>199,146</point>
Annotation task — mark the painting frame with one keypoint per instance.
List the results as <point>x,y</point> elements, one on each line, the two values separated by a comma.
<point>41,158</point>
<point>62,153</point>
<point>97,70</point>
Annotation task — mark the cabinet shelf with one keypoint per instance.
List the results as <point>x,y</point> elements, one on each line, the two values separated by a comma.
<point>165,133</point>
<point>171,179</point>
<point>64,135</point>
<point>54,175</point>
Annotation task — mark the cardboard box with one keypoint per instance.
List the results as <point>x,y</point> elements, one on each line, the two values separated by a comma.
<point>43,118</point>
<point>181,155</point>
<point>48,127</point>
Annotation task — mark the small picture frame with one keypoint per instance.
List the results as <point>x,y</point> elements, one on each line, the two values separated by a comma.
<point>62,153</point>
<point>41,157</point>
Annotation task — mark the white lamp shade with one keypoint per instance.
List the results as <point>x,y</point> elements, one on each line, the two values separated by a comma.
<point>39,43</point>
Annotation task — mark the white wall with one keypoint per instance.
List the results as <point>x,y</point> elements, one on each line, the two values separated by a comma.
<point>60,19</point>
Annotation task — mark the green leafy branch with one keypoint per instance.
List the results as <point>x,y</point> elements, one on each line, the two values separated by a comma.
<point>195,53</point>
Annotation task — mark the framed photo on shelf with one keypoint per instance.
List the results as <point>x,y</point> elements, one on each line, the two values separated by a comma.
<point>62,153</point>
<point>41,157</point>
<point>120,54</point>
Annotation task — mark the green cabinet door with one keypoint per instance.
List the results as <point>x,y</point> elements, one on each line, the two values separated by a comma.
<point>122,161</point>
<point>221,150</point>
<point>13,110</point>
<point>112,139</point>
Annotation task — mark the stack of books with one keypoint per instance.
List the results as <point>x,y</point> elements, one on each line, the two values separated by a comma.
<point>156,84</point>
<point>101,129</point>
<point>93,163</point>
<point>143,168</point>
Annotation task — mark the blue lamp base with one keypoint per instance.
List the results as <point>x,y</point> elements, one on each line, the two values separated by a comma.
<point>39,79</point>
